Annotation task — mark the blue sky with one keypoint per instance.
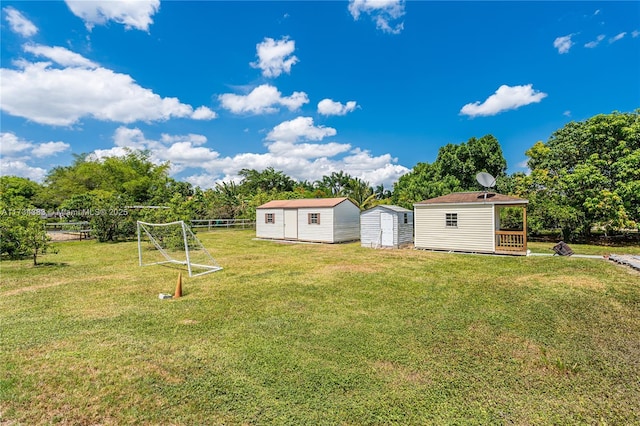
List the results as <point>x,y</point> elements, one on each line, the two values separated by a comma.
<point>367,87</point>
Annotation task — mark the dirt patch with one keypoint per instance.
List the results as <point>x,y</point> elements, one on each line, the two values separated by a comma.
<point>400,375</point>
<point>32,288</point>
<point>66,236</point>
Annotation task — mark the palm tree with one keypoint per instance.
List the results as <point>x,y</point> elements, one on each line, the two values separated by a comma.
<point>360,193</point>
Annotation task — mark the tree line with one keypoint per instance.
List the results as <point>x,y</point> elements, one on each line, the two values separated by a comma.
<point>586,176</point>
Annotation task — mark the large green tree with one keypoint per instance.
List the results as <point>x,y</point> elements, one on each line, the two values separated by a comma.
<point>267,180</point>
<point>12,187</point>
<point>586,175</point>
<point>22,229</point>
<point>133,176</point>
<point>455,169</point>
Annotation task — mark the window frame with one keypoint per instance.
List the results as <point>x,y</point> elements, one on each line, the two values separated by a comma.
<point>270,218</point>
<point>313,218</point>
<point>451,220</point>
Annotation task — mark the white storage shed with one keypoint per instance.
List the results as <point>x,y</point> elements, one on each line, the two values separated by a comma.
<point>469,222</point>
<point>326,220</point>
<point>386,226</point>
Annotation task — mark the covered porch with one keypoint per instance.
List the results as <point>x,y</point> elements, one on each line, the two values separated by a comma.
<point>511,229</point>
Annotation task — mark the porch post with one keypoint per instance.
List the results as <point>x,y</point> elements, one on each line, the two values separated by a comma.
<point>524,226</point>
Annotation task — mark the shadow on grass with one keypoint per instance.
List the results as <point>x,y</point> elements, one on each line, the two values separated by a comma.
<point>51,265</point>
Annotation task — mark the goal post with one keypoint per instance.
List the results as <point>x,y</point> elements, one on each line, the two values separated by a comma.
<point>173,243</point>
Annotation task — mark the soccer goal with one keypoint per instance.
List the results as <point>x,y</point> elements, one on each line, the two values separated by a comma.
<point>173,243</point>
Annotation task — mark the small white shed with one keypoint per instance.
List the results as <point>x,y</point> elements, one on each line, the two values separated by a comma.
<point>469,222</point>
<point>386,226</point>
<point>327,220</point>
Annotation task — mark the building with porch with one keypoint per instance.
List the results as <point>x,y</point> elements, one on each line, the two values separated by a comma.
<point>470,222</point>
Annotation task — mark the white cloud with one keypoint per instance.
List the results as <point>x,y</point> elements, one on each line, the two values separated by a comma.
<point>635,33</point>
<point>595,43</point>
<point>563,44</point>
<point>275,56</point>
<point>299,128</point>
<point>116,151</point>
<point>308,150</point>
<point>22,169</point>
<point>60,55</point>
<point>131,138</point>
<point>11,145</point>
<point>617,37</point>
<point>191,137</point>
<point>187,153</point>
<point>331,107</point>
<point>132,14</point>
<point>50,148</point>
<point>567,113</point>
<point>14,146</point>
<point>383,12</point>
<point>203,113</point>
<point>19,24</point>
<point>262,100</point>
<point>504,99</point>
<point>45,94</point>
<point>16,152</point>
<point>301,161</point>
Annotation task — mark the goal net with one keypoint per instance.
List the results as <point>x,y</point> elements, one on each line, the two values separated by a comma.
<point>173,243</point>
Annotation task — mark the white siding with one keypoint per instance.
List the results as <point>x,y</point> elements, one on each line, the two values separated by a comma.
<point>346,222</point>
<point>322,232</point>
<point>474,233</point>
<point>370,228</point>
<point>270,230</point>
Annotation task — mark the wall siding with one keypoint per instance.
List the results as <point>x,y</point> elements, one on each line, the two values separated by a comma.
<point>322,232</point>
<point>270,230</point>
<point>405,230</point>
<point>370,228</point>
<point>346,222</point>
<point>475,232</point>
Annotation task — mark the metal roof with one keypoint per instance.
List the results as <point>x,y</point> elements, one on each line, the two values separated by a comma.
<point>302,203</point>
<point>390,207</point>
<point>473,198</point>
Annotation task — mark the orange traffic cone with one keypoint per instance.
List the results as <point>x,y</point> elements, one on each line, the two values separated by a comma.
<point>178,286</point>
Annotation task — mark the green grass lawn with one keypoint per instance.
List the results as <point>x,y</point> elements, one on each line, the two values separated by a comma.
<point>306,334</point>
<point>587,249</point>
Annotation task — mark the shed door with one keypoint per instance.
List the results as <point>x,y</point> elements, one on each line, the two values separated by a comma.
<point>386,228</point>
<point>291,224</point>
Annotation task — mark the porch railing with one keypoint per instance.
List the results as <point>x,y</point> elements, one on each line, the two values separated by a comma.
<point>511,241</point>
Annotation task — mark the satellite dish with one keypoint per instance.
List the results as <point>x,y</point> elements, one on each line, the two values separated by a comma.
<point>486,180</point>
